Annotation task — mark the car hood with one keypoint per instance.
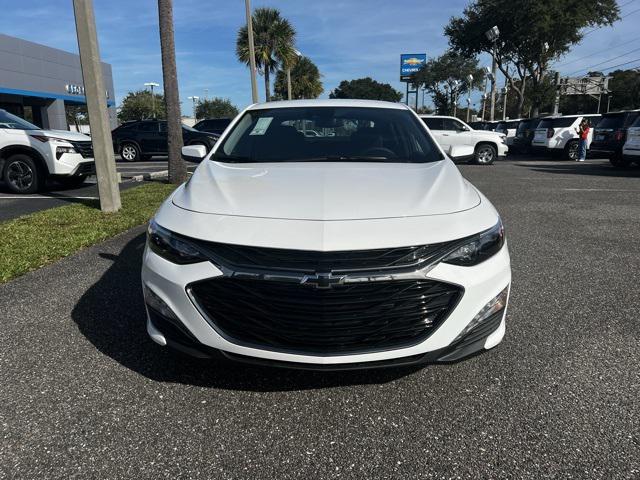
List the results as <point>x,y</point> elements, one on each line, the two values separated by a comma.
<point>327,191</point>
<point>66,135</point>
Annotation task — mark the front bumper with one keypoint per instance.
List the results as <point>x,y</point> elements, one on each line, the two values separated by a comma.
<point>194,335</point>
<point>72,164</point>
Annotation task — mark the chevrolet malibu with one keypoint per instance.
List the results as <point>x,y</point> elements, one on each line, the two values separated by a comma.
<point>361,246</point>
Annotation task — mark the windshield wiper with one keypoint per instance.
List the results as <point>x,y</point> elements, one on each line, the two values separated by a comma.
<point>342,158</point>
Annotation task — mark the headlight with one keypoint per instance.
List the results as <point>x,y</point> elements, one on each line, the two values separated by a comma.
<point>480,248</point>
<point>172,247</point>
<point>62,150</point>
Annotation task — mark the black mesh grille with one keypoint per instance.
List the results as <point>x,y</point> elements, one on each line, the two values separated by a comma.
<point>83,148</point>
<point>87,168</point>
<point>345,318</point>
<point>238,257</point>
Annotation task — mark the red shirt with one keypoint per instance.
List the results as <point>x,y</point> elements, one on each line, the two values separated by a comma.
<point>584,133</point>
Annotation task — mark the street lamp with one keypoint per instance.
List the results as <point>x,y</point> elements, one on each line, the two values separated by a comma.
<point>492,35</point>
<point>297,54</point>
<point>469,88</point>
<point>153,97</point>
<point>487,75</point>
<point>194,99</point>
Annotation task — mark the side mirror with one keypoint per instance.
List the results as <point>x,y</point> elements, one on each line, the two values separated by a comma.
<point>461,151</point>
<point>194,153</point>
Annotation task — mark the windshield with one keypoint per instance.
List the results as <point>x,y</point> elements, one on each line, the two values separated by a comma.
<point>8,120</point>
<point>337,134</point>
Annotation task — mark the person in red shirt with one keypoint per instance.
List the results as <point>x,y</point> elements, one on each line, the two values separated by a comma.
<point>583,134</point>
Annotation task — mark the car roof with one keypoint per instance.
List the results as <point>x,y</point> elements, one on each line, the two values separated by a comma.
<point>621,112</point>
<point>333,102</point>
<point>426,115</point>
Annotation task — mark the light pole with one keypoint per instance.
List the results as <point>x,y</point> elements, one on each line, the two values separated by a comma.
<point>252,52</point>
<point>298,54</point>
<point>469,88</point>
<point>492,35</point>
<point>194,99</point>
<point>504,100</point>
<point>206,94</point>
<point>487,75</point>
<point>153,97</point>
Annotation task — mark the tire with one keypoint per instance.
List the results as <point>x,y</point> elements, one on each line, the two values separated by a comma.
<point>73,181</point>
<point>571,150</point>
<point>619,161</point>
<point>485,154</point>
<point>22,174</point>
<point>129,152</point>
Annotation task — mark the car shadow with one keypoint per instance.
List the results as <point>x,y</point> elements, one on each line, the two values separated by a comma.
<point>111,315</point>
<point>584,168</point>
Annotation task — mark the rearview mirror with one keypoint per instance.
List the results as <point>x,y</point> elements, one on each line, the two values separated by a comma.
<point>461,151</point>
<point>194,153</point>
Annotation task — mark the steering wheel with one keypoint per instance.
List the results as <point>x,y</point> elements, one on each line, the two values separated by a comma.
<point>379,152</point>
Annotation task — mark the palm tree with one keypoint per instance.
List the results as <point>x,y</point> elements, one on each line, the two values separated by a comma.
<point>274,38</point>
<point>177,166</point>
<point>305,80</point>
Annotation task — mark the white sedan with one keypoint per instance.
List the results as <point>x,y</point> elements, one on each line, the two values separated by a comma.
<point>364,247</point>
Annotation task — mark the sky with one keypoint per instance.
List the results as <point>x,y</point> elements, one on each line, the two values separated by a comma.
<point>347,39</point>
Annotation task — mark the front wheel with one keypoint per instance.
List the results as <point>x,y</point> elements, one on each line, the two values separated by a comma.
<point>22,175</point>
<point>485,154</point>
<point>619,161</point>
<point>129,152</point>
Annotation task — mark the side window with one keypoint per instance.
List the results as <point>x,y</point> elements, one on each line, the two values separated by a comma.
<point>148,127</point>
<point>433,123</point>
<point>631,118</point>
<point>451,124</point>
<point>163,127</point>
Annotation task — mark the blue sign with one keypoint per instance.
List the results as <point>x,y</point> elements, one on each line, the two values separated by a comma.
<point>410,63</point>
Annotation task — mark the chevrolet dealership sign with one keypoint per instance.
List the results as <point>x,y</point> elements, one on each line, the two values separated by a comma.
<point>410,64</point>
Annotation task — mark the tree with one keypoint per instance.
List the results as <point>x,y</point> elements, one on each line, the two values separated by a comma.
<point>139,105</point>
<point>274,37</point>
<point>177,166</point>
<point>215,108</point>
<point>445,78</point>
<point>366,88</point>
<point>305,81</point>
<point>76,114</point>
<point>532,34</point>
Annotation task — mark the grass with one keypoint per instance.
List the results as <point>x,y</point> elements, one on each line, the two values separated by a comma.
<point>41,238</point>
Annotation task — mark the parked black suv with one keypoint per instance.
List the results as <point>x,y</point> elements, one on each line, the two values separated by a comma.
<point>524,135</point>
<point>213,125</point>
<point>140,140</point>
<point>610,134</point>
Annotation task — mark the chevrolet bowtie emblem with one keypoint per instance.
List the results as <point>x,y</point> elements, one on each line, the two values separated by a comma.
<point>322,280</point>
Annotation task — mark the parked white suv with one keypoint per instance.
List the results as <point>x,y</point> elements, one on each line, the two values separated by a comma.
<point>558,135</point>
<point>631,149</point>
<point>451,132</point>
<point>29,155</point>
<point>509,128</point>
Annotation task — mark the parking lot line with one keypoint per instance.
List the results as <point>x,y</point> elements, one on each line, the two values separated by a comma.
<point>43,197</point>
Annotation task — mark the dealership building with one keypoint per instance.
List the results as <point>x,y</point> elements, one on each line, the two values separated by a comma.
<point>38,82</point>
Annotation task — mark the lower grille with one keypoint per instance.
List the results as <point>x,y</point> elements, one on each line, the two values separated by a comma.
<point>87,168</point>
<point>83,148</point>
<point>346,318</point>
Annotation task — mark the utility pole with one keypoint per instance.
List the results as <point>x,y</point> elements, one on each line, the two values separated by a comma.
<point>504,100</point>
<point>93,80</point>
<point>252,52</point>
<point>469,88</point>
<point>153,97</point>
<point>492,34</point>
<point>177,166</point>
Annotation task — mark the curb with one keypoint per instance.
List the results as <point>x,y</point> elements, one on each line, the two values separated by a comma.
<point>163,174</point>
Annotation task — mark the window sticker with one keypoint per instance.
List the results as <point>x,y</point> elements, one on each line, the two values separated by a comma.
<point>261,126</point>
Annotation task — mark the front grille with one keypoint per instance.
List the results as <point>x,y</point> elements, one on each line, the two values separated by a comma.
<point>238,257</point>
<point>83,148</point>
<point>346,318</point>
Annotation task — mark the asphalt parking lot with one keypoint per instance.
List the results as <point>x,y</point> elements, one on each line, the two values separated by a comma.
<point>85,394</point>
<point>55,195</point>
